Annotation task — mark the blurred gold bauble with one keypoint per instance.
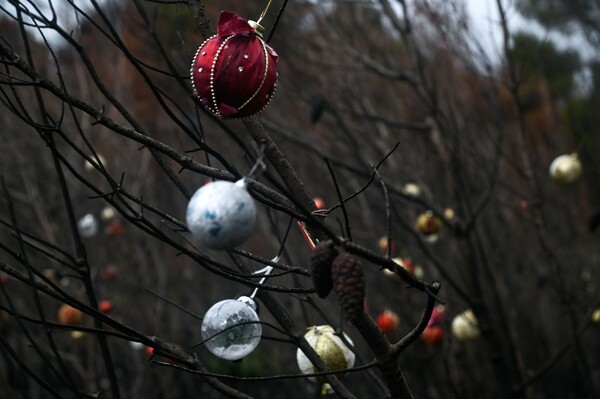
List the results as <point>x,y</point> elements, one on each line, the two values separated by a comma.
<point>412,189</point>
<point>76,335</point>
<point>566,169</point>
<point>329,347</point>
<point>449,213</point>
<point>108,213</point>
<point>427,223</point>
<point>465,326</point>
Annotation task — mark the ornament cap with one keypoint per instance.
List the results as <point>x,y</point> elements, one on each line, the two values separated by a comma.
<point>241,183</point>
<point>248,301</point>
<point>257,27</point>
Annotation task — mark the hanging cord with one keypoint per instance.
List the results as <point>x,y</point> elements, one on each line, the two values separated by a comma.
<point>259,163</point>
<point>266,271</point>
<point>264,12</point>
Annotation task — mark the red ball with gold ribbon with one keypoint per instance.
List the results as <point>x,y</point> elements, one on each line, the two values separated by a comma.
<point>234,73</point>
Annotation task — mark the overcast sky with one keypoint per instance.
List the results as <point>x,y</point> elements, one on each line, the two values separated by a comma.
<point>485,21</point>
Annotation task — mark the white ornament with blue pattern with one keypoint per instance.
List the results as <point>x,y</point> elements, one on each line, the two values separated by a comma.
<point>221,215</point>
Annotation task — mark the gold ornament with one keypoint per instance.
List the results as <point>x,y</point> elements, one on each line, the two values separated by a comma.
<point>465,326</point>
<point>596,316</point>
<point>329,347</point>
<point>449,213</point>
<point>566,169</point>
<point>412,190</point>
<point>76,334</point>
<point>91,165</point>
<point>428,224</point>
<point>108,213</point>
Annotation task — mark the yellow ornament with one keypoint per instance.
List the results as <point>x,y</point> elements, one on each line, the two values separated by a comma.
<point>465,326</point>
<point>108,213</point>
<point>329,347</point>
<point>449,213</point>
<point>412,190</point>
<point>566,169</point>
<point>428,224</point>
<point>76,334</point>
<point>596,316</point>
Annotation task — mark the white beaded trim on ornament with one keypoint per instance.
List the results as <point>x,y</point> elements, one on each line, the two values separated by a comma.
<point>264,75</point>
<point>194,63</point>
<point>212,76</point>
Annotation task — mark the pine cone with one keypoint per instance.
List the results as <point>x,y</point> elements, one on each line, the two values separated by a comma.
<point>349,284</point>
<point>320,267</point>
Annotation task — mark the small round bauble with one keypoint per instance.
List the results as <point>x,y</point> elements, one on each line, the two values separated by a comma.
<point>231,329</point>
<point>319,202</point>
<point>51,275</point>
<point>105,306</point>
<point>89,166</point>
<point>465,326</point>
<point>449,213</point>
<point>114,228</point>
<point>69,315</point>
<point>438,315</point>
<point>109,273</point>
<point>412,190</point>
<point>330,347</point>
<point>234,73</point>
<point>596,316</point>
<point>221,215</point>
<point>405,263</point>
<point>77,335</point>
<point>108,213</point>
<point>428,224</point>
<point>136,345</point>
<point>418,272</point>
<point>383,244</point>
<point>566,169</point>
<point>432,335</point>
<point>388,321</point>
<point>87,226</point>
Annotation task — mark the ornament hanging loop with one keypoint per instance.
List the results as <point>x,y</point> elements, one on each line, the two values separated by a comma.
<point>266,271</point>
<point>263,14</point>
<point>260,163</point>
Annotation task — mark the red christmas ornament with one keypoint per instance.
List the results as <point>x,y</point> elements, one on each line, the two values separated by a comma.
<point>388,321</point>
<point>437,316</point>
<point>113,229</point>
<point>319,202</point>
<point>432,335</point>
<point>234,72</point>
<point>109,273</point>
<point>69,315</point>
<point>105,306</point>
